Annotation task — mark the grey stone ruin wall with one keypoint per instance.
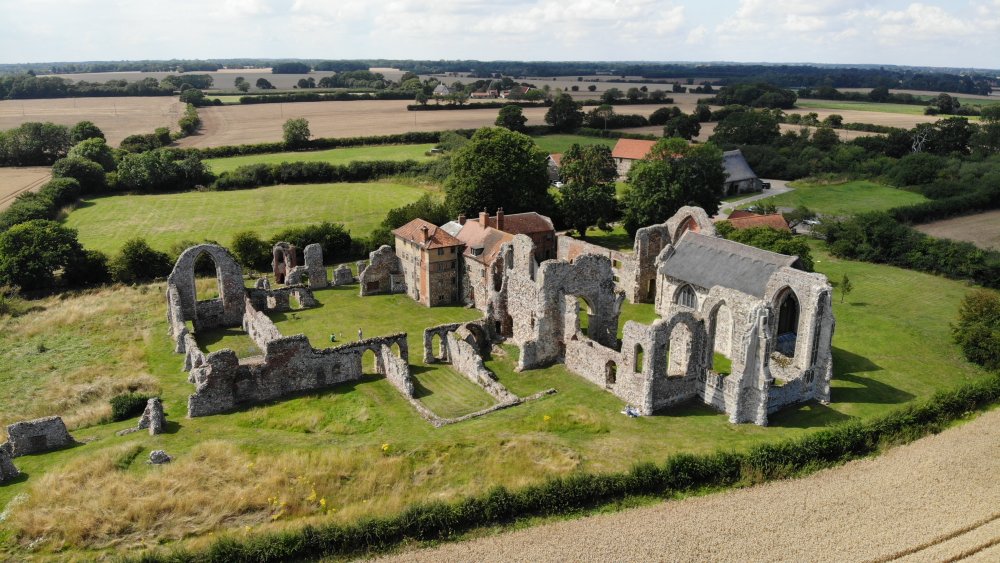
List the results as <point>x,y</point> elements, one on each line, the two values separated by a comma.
<point>640,268</point>
<point>377,276</point>
<point>290,365</point>
<point>279,300</point>
<point>343,275</point>
<point>313,271</point>
<point>7,469</point>
<point>152,417</point>
<point>397,371</point>
<point>536,300</point>
<point>259,327</point>
<point>441,331</point>
<point>283,261</point>
<point>226,310</point>
<point>37,436</point>
<point>465,359</point>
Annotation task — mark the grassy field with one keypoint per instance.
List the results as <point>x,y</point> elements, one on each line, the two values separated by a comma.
<point>859,106</point>
<point>846,198</point>
<point>616,239</point>
<point>360,449</point>
<point>333,156</point>
<point>106,222</point>
<point>560,143</point>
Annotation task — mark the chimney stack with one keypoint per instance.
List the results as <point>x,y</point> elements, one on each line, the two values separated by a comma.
<point>423,234</point>
<point>484,219</point>
<point>500,219</point>
<point>461,218</point>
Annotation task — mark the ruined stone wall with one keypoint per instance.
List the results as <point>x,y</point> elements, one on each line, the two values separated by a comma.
<point>259,327</point>
<point>343,275</point>
<point>397,371</point>
<point>7,469</point>
<point>466,360</point>
<point>37,436</point>
<point>290,365</point>
<point>377,275</point>
<point>441,332</point>
<point>227,310</point>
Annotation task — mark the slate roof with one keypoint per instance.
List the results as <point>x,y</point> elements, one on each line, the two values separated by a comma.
<point>773,220</point>
<point>632,149</point>
<point>437,237</point>
<point>707,261</point>
<point>737,167</point>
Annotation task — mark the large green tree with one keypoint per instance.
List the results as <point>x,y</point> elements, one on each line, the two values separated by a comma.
<point>587,197</point>
<point>31,253</point>
<point>564,114</point>
<point>498,168</point>
<point>683,126</point>
<point>296,132</point>
<point>511,117</point>
<point>672,175</point>
<point>96,150</point>
<point>978,328</point>
<point>747,128</point>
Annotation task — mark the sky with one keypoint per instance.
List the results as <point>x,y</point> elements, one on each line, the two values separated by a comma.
<point>962,33</point>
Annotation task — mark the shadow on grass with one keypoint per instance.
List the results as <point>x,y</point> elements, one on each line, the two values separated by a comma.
<point>337,389</point>
<point>689,408</point>
<point>847,367</point>
<point>171,427</point>
<point>812,414</point>
<point>419,391</point>
<point>21,477</point>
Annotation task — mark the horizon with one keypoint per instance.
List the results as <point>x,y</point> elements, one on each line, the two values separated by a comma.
<point>932,34</point>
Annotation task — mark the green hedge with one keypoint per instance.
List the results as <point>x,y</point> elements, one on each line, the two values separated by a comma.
<point>256,175</point>
<point>681,473</point>
<point>127,406</point>
<point>417,137</point>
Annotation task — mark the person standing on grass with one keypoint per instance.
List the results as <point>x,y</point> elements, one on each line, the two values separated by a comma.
<point>360,336</point>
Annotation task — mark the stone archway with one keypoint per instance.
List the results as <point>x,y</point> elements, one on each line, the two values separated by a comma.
<point>225,311</point>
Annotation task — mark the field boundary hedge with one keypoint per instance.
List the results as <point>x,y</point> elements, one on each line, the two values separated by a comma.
<point>322,143</point>
<point>257,175</point>
<point>681,473</point>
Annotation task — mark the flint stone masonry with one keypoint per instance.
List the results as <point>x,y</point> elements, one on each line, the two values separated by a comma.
<point>713,296</point>
<point>466,360</point>
<point>7,469</point>
<point>382,274</point>
<point>262,283</point>
<point>37,436</point>
<point>225,311</point>
<point>397,371</point>
<point>283,260</point>
<point>343,275</point>
<point>313,271</point>
<point>153,417</point>
<point>159,457</point>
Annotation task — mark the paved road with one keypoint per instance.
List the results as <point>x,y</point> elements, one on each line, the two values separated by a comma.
<point>937,499</point>
<point>777,187</point>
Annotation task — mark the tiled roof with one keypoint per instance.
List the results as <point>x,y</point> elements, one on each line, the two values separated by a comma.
<point>556,158</point>
<point>741,213</point>
<point>437,237</point>
<point>708,261</point>
<point>474,236</point>
<point>523,223</point>
<point>632,149</point>
<point>774,220</point>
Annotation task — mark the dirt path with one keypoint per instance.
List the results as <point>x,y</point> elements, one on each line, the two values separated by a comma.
<point>933,500</point>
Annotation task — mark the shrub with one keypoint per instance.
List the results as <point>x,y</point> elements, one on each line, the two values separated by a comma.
<point>95,150</point>
<point>141,143</point>
<point>31,253</point>
<point>136,262</point>
<point>127,406</point>
<point>978,328</point>
<point>88,173</point>
<point>26,207</point>
<point>251,251</point>
<point>85,130</point>
<point>90,267</point>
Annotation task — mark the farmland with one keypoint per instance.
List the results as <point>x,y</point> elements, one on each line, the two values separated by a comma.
<point>333,156</point>
<point>560,143</point>
<point>117,117</point>
<point>981,229</point>
<point>104,223</point>
<point>13,181</point>
<point>845,198</point>
<point>362,448</point>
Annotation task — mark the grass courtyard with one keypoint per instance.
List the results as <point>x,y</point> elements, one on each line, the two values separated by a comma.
<point>104,223</point>
<point>840,199</point>
<point>344,155</point>
<point>360,449</point>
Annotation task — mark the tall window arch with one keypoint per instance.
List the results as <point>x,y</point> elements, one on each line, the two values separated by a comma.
<point>686,297</point>
<point>788,323</point>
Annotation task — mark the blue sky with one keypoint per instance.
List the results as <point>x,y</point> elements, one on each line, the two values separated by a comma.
<point>965,33</point>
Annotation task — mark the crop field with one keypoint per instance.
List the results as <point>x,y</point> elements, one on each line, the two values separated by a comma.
<point>117,117</point>
<point>981,229</point>
<point>14,181</point>
<point>859,106</point>
<point>104,223</point>
<point>333,156</point>
<point>234,125</point>
<point>845,198</point>
<point>359,449</point>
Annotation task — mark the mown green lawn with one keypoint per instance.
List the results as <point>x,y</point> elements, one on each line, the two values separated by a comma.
<point>344,155</point>
<point>104,223</point>
<point>560,143</point>
<point>846,198</point>
<point>857,106</point>
<point>369,453</point>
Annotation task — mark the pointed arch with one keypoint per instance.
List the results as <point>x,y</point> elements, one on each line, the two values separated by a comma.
<point>787,325</point>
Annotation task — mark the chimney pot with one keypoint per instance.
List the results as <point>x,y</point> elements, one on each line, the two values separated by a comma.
<point>461,219</point>
<point>423,234</point>
<point>484,218</point>
<point>500,218</point>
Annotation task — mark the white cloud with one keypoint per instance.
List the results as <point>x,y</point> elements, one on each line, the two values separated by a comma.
<point>697,35</point>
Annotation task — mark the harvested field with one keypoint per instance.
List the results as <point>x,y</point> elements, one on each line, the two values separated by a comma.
<point>919,502</point>
<point>14,181</point>
<point>117,117</point>
<point>981,229</point>
<point>708,128</point>
<point>236,125</point>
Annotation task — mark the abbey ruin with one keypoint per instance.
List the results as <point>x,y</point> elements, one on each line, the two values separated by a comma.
<point>740,329</point>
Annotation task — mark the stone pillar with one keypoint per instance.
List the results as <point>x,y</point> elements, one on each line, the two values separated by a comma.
<point>7,469</point>
<point>314,263</point>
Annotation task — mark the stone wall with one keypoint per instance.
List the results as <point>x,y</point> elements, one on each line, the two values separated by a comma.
<point>441,332</point>
<point>397,371</point>
<point>7,469</point>
<point>378,275</point>
<point>283,261</point>
<point>37,436</point>
<point>313,271</point>
<point>226,310</point>
<point>465,359</point>
<point>343,275</point>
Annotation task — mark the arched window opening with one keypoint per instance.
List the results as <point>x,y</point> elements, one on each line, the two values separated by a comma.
<point>583,313</point>
<point>437,343</point>
<point>610,374</point>
<point>686,297</point>
<point>638,359</point>
<point>369,363</point>
<point>206,287</point>
<point>679,351</point>
<point>788,324</point>
<point>722,337</point>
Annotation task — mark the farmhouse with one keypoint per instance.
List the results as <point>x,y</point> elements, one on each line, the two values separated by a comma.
<point>441,90</point>
<point>554,162</point>
<point>428,256</point>
<point>740,178</point>
<point>627,151</point>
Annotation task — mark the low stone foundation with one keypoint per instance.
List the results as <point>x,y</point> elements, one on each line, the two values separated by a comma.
<point>7,469</point>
